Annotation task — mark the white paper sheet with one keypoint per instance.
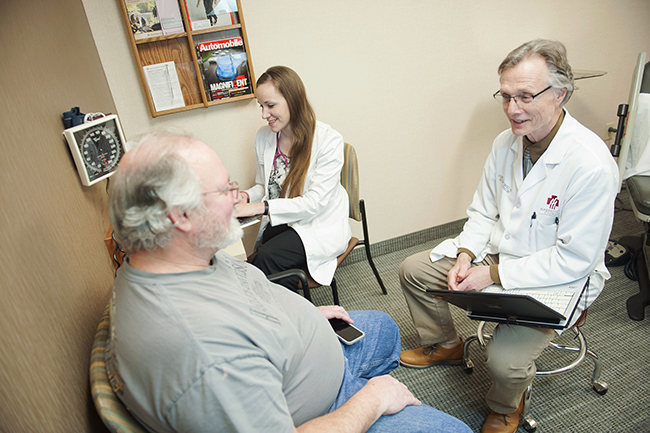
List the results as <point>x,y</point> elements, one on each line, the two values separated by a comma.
<point>164,86</point>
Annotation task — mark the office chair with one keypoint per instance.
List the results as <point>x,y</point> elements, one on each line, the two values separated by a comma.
<point>350,181</point>
<point>599,386</point>
<point>299,273</point>
<point>110,409</point>
<point>638,184</point>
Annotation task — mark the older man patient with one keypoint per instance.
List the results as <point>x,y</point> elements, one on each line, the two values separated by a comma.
<point>541,216</point>
<point>202,342</point>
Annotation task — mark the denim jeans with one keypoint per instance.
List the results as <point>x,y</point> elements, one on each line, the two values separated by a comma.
<point>377,354</point>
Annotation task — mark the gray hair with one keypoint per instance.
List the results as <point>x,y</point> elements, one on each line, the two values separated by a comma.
<point>143,191</point>
<point>554,52</point>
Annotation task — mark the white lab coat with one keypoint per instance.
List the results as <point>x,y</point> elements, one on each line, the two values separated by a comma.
<point>320,215</point>
<point>570,190</point>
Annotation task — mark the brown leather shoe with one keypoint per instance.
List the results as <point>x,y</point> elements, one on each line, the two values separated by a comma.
<point>503,423</point>
<point>426,356</point>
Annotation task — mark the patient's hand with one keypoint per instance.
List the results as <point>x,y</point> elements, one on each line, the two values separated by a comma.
<point>335,312</point>
<point>395,395</point>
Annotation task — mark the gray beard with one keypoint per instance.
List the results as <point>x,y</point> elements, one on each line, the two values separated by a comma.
<point>215,238</point>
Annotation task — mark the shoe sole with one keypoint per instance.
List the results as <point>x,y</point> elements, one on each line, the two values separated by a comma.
<point>405,364</point>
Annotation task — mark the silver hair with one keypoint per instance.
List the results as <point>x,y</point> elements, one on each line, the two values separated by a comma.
<point>555,54</point>
<point>144,191</point>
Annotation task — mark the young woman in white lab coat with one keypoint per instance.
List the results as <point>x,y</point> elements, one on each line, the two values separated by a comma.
<point>298,184</point>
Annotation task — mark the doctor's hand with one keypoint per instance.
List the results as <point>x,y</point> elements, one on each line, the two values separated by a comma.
<point>478,278</point>
<point>459,272</point>
<point>249,209</point>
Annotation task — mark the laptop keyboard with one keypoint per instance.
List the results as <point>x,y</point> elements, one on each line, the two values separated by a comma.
<point>557,300</point>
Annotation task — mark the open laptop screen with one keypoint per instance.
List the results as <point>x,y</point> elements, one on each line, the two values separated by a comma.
<point>521,309</point>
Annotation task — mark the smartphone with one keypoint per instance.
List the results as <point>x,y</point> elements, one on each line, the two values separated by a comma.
<point>347,333</point>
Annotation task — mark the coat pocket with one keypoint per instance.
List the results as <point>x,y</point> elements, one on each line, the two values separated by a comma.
<point>544,231</point>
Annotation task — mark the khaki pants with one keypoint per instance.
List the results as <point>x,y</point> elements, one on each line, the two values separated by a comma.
<point>512,351</point>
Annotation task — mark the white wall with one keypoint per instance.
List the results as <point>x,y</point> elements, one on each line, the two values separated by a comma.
<point>408,84</point>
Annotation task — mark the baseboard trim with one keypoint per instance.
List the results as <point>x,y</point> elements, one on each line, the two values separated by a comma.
<point>407,241</point>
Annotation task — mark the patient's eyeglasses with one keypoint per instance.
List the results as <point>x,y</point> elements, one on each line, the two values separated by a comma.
<point>233,190</point>
<point>524,98</point>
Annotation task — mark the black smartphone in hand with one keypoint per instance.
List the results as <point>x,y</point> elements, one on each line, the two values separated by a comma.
<point>347,333</point>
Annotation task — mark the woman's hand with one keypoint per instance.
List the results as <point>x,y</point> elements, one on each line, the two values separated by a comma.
<point>335,312</point>
<point>249,209</point>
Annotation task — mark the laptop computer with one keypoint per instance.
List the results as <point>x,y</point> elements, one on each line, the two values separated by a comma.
<point>249,221</point>
<point>497,305</point>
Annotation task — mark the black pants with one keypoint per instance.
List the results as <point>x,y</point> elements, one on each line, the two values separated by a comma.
<point>279,250</point>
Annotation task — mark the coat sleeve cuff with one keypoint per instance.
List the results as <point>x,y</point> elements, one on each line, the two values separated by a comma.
<point>466,251</point>
<point>494,273</point>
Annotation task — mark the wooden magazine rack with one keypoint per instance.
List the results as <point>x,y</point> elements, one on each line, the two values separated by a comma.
<point>181,49</point>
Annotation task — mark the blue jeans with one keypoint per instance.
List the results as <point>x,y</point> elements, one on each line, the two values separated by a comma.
<point>377,354</point>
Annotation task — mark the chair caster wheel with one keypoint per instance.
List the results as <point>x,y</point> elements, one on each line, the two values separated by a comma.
<point>600,387</point>
<point>469,366</point>
<point>529,424</point>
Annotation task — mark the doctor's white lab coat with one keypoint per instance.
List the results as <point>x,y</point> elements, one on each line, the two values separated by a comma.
<point>551,228</point>
<point>320,215</point>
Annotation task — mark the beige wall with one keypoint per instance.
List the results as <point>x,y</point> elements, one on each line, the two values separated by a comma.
<point>55,274</point>
<point>409,87</point>
<point>409,84</point>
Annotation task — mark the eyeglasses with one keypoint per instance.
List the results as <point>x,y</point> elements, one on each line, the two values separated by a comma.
<point>524,98</point>
<point>234,189</point>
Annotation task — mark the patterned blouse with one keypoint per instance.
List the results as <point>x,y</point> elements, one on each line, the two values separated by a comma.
<point>281,165</point>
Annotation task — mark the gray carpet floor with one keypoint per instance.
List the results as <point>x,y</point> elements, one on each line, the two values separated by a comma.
<point>561,403</point>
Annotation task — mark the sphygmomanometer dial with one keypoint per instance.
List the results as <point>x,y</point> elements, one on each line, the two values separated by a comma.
<point>97,147</point>
<point>101,149</point>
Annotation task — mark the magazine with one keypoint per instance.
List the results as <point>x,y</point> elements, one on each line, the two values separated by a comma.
<point>170,16</point>
<point>143,17</point>
<point>150,18</point>
<point>224,67</point>
<point>205,14</point>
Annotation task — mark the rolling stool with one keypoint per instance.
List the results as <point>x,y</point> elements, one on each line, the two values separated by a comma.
<point>527,420</point>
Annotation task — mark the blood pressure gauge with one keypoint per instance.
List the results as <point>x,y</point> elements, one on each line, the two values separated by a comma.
<point>97,147</point>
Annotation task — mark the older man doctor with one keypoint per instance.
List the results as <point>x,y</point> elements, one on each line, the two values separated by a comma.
<point>541,216</point>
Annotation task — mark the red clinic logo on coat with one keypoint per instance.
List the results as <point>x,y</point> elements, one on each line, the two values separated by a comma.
<point>553,202</point>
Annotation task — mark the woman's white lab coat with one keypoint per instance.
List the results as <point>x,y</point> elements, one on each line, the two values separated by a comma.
<point>551,228</point>
<point>320,215</point>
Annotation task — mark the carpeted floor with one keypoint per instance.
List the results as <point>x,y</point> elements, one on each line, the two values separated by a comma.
<point>562,403</point>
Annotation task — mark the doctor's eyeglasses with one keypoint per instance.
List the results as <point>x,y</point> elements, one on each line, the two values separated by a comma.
<point>233,190</point>
<point>524,98</point>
